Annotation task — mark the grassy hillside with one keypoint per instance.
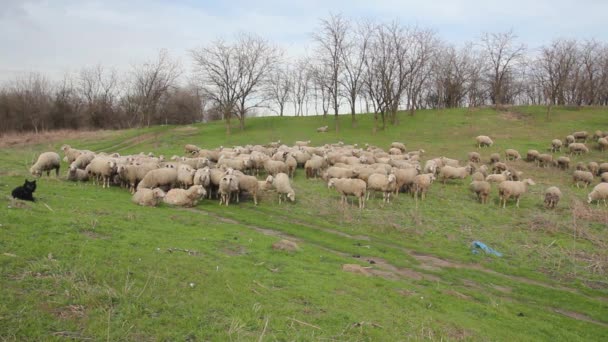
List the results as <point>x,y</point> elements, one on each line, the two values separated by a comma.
<point>85,263</point>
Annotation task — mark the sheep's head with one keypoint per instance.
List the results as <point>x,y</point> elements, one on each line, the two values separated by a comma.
<point>35,172</point>
<point>292,196</point>
<point>158,193</point>
<point>331,183</point>
<point>529,181</point>
<point>392,178</point>
<point>589,198</point>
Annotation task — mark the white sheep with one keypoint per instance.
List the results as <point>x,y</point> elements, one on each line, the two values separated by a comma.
<point>532,155</point>
<point>314,166</point>
<point>266,184</point>
<point>191,149</point>
<point>46,161</point>
<point>515,189</point>
<point>602,143</point>
<point>483,140</point>
<point>450,172</point>
<point>603,167</point>
<point>185,198</point>
<point>599,192</point>
<point>405,179</point>
<point>250,185</point>
<point>569,140</point>
<point>77,175</point>
<point>422,183</point>
<point>498,178</point>
<point>552,197</point>
<point>604,177</point>
<point>494,158</point>
<point>545,160</point>
<point>322,129</point>
<point>283,186</point>
<point>102,168</point>
<point>83,160</point>
<point>585,177</point>
<point>228,186</point>
<point>340,172</point>
<point>478,176</point>
<point>481,189</point>
<point>385,184</point>
<point>185,176</point>
<point>511,154</point>
<point>398,145</point>
<point>148,197</point>
<point>594,168</point>
<point>348,186</point>
<point>582,135</point>
<point>165,178</point>
<point>70,153</point>
<point>556,145</point>
<point>302,143</point>
<point>563,162</point>
<point>578,148</point>
<point>474,157</point>
<point>274,167</point>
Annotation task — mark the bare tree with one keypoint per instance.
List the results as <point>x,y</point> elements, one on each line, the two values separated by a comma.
<point>98,87</point>
<point>422,52</point>
<point>331,40</point>
<point>502,55</point>
<point>153,80</point>
<point>354,53</point>
<point>278,89</point>
<point>300,83</point>
<point>30,100</point>
<point>321,82</point>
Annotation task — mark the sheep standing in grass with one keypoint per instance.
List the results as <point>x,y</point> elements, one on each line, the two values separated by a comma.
<point>302,143</point>
<point>602,143</point>
<point>83,160</point>
<point>314,166</point>
<point>594,168</point>
<point>347,186</point>
<point>603,167</point>
<point>322,129</point>
<point>481,189</point>
<point>340,172</point>
<point>405,179</point>
<point>421,184</point>
<point>477,176</point>
<point>498,178</point>
<point>70,153</point>
<point>552,197</point>
<point>585,177</point>
<point>266,184</point>
<point>569,140</point>
<point>185,198</point>
<point>545,160</point>
<point>46,162</point>
<point>499,167</point>
<point>283,186</point>
<point>385,184</point>
<point>494,158</point>
<point>532,155</point>
<point>599,193</point>
<point>450,172</point>
<point>582,135</point>
<point>165,178</point>
<point>250,185</point>
<point>604,177</point>
<point>133,174</point>
<point>77,175</point>
<point>556,145</point>
<point>104,169</point>
<point>474,157</point>
<point>185,176</point>
<point>578,148</point>
<point>148,197</point>
<point>398,145</point>
<point>511,154</point>
<point>191,149</point>
<point>484,140</point>
<point>228,186</point>
<point>274,167</point>
<point>513,189</point>
<point>563,162</point>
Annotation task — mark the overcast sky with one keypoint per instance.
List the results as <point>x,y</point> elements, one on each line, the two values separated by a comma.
<point>58,36</point>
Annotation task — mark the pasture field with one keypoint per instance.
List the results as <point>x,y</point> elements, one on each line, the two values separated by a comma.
<point>84,263</point>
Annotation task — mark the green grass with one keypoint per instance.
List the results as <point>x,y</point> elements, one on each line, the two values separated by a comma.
<point>85,263</point>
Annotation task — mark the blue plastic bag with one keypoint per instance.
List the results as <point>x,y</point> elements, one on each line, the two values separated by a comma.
<point>480,245</point>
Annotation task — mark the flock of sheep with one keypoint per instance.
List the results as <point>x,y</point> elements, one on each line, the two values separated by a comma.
<point>226,173</point>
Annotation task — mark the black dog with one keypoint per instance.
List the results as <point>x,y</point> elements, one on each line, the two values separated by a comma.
<point>25,191</point>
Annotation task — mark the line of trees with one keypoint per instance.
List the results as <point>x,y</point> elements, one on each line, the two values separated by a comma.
<point>352,67</point>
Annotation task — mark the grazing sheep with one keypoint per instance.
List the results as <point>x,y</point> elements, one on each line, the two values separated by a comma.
<point>148,197</point>
<point>569,140</point>
<point>582,135</point>
<point>552,197</point>
<point>292,164</point>
<point>274,167</point>
<point>498,178</point>
<point>398,145</point>
<point>314,165</point>
<point>228,186</point>
<point>379,182</point>
<point>599,192</point>
<point>422,183</point>
<point>556,145</point>
<point>481,189</point>
<point>250,185</point>
<point>474,157</point>
<point>430,167</point>
<point>102,168</point>
<point>484,170</point>
<point>340,172</point>
<point>499,167</point>
<point>598,134</point>
<point>594,168</point>
<point>602,143</point>
<point>70,153</point>
<point>46,161</point>
<point>578,148</point>
<point>515,189</point>
<point>494,158</point>
<point>545,160</point>
<point>405,179</point>
<point>511,154</point>
<point>450,172</point>
<point>478,176</point>
<point>394,151</point>
<point>83,160</point>
<point>563,162</point>
<point>582,166</point>
<point>77,175</point>
<point>513,174</point>
<point>165,178</point>
<point>185,176</point>
<point>133,174</point>
<point>322,129</point>
<point>604,177</point>
<point>236,164</point>
<point>283,186</point>
<point>185,198</point>
<point>450,162</point>
<point>195,163</point>
<point>483,140</point>
<point>532,155</point>
<point>266,184</point>
<point>603,168</point>
<point>347,186</point>
<point>585,177</point>
<point>191,149</point>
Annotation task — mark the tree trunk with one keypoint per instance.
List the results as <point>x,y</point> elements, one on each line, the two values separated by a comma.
<point>354,120</point>
<point>227,116</point>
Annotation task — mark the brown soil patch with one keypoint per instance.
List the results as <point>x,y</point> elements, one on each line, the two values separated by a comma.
<point>70,312</point>
<point>579,317</point>
<point>285,245</point>
<point>390,271</point>
<point>358,269</point>
<point>31,138</point>
<point>457,294</point>
<point>503,289</point>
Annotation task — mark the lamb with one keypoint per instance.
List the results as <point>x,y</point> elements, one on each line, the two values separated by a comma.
<point>398,145</point>
<point>185,198</point>
<point>165,178</point>
<point>148,197</point>
<point>46,161</point>
<point>602,143</point>
<point>556,145</point>
<point>599,192</point>
<point>265,184</point>
<point>578,148</point>
<point>282,185</point>
<point>569,140</point>
<point>185,176</point>
<point>511,154</point>
<point>498,178</point>
<point>604,177</point>
<point>494,158</point>
<point>545,160</point>
<point>582,176</point>
<point>314,165</point>
<point>103,168</point>
<point>191,149</point>
<point>552,197</point>
<point>274,167</point>
<point>515,189</point>
<point>422,183</point>
<point>481,189</point>
<point>347,186</point>
<point>228,185</point>
<point>250,185</point>
<point>379,182</point>
<point>450,172</point>
<point>302,143</point>
<point>484,140</point>
<point>77,175</point>
<point>474,157</point>
<point>532,155</point>
<point>582,135</point>
<point>322,129</point>
<point>563,162</point>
